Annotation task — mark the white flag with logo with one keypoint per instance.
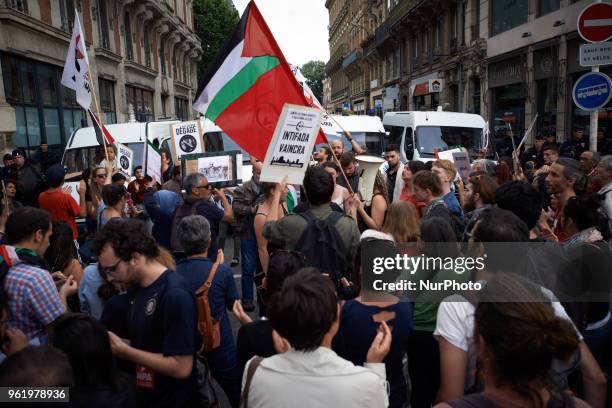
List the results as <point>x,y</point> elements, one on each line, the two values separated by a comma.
<point>328,124</point>
<point>76,69</point>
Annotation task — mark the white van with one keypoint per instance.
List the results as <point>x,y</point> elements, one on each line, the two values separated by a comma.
<point>368,131</point>
<point>83,150</point>
<point>419,134</point>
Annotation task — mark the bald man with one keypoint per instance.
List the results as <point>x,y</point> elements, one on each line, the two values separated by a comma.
<point>338,147</point>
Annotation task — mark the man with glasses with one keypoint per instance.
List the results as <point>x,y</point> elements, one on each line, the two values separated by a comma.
<point>158,315</point>
<point>198,201</point>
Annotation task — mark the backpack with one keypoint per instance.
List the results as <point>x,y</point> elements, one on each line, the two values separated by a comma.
<point>457,223</point>
<point>323,246</point>
<point>182,212</point>
<point>209,327</point>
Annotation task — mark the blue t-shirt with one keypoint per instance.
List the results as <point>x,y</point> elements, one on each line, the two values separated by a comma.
<point>214,215</point>
<point>453,204</point>
<point>161,319</point>
<point>357,331</point>
<point>221,297</point>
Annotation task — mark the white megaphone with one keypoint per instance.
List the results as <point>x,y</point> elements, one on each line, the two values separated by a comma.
<point>369,166</point>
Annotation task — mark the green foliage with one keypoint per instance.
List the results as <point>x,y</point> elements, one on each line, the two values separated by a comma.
<point>214,22</point>
<point>314,71</point>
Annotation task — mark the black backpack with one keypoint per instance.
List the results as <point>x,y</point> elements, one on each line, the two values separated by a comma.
<point>323,246</point>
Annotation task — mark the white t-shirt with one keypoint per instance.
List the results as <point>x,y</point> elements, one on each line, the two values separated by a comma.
<point>455,323</point>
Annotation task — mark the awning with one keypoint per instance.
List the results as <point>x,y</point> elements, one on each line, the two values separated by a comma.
<point>421,89</point>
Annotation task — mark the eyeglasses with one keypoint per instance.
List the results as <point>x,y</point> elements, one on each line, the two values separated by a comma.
<point>207,187</point>
<point>110,269</point>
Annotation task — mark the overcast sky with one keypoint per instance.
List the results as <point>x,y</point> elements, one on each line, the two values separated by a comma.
<point>299,26</point>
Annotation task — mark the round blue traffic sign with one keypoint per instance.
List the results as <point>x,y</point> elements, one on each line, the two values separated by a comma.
<point>592,91</point>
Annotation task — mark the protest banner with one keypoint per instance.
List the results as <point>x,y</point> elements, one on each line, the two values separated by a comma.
<point>219,168</point>
<point>187,138</point>
<point>447,154</point>
<point>462,164</point>
<point>153,163</point>
<point>289,151</point>
<point>125,159</point>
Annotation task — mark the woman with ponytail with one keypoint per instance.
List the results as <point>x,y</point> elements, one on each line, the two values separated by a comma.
<point>517,343</point>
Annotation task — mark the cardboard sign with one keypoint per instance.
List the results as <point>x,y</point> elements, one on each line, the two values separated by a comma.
<point>187,138</point>
<point>291,145</point>
<point>219,168</point>
<point>153,163</point>
<point>125,159</point>
<point>462,164</point>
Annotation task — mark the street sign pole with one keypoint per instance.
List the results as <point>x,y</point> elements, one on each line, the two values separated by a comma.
<point>594,123</point>
<point>594,116</point>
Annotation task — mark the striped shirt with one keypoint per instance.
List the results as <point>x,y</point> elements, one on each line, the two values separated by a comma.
<point>34,301</point>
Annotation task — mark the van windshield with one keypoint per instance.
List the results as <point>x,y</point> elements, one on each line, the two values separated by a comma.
<point>372,142</point>
<point>430,138</point>
<point>79,159</point>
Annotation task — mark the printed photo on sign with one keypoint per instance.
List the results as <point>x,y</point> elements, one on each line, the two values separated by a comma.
<point>289,151</point>
<point>186,139</point>
<point>215,169</point>
<point>219,168</point>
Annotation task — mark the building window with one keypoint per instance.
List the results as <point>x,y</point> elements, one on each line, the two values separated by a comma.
<point>437,34</point>
<point>45,111</point>
<point>147,48</point>
<point>476,29</point>
<point>548,6</point>
<point>547,104</point>
<point>180,108</point>
<point>415,45</point>
<point>162,56</point>
<point>453,28</point>
<point>129,53</point>
<point>107,100</point>
<point>103,25</point>
<point>476,95</point>
<point>67,14</point>
<point>425,47</point>
<point>19,5</point>
<point>507,14</point>
<point>164,102</point>
<point>396,64</point>
<point>142,102</point>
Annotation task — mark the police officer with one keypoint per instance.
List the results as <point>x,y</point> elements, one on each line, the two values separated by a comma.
<point>574,147</point>
<point>535,153</point>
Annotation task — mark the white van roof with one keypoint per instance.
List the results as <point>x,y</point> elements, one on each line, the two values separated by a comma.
<point>360,123</point>
<point>122,132</point>
<point>434,118</point>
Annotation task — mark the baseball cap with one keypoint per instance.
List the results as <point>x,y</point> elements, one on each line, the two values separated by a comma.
<point>55,173</point>
<point>19,152</point>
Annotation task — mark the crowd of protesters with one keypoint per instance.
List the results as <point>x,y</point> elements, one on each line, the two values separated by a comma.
<point>136,309</point>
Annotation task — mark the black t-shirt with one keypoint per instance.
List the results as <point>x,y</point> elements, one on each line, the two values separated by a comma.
<point>254,339</point>
<point>161,318</point>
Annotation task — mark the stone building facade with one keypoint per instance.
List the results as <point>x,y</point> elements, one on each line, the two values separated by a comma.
<point>143,58</point>
<point>505,60</point>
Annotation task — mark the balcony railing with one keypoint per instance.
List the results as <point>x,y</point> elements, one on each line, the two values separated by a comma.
<point>380,35</point>
<point>19,5</point>
<point>400,10</point>
<point>351,58</point>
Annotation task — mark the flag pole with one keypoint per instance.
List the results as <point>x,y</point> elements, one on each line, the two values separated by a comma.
<point>95,98</point>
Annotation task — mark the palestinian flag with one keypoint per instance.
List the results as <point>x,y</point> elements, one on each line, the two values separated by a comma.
<point>100,129</point>
<point>247,84</point>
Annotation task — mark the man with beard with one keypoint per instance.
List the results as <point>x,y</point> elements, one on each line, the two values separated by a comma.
<point>479,196</point>
<point>395,167</point>
<point>561,180</point>
<point>158,315</point>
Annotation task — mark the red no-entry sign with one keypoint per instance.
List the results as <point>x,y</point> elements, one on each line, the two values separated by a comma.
<point>595,22</point>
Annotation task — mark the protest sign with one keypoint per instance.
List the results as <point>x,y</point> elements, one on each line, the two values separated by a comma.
<point>448,154</point>
<point>462,164</point>
<point>153,163</point>
<point>219,168</point>
<point>187,138</point>
<point>291,145</point>
<point>125,159</point>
